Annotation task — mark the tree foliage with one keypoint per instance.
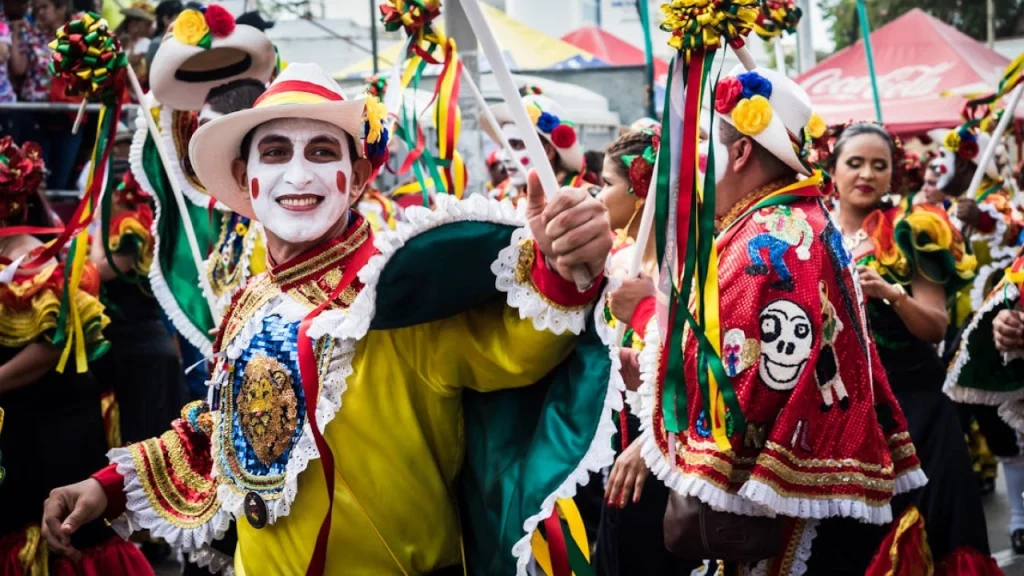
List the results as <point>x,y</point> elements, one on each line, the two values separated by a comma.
<point>968,16</point>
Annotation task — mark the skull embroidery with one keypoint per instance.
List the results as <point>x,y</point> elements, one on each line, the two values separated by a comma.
<point>786,343</point>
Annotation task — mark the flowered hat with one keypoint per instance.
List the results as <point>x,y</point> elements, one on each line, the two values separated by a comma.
<point>965,142</point>
<point>141,10</point>
<point>301,91</point>
<point>21,173</point>
<point>770,108</point>
<point>551,122</point>
<point>205,49</point>
<point>640,167</point>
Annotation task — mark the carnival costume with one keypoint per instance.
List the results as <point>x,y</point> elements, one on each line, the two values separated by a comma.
<point>922,242</point>
<point>823,436</point>
<point>201,54</point>
<point>143,367</point>
<point>999,227</point>
<point>555,126</point>
<point>53,428</point>
<point>407,341</point>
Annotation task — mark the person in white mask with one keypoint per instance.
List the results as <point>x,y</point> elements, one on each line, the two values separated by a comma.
<point>558,136</point>
<point>405,328</point>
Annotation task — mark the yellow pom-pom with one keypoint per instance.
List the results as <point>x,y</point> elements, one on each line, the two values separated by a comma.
<point>816,126</point>
<point>952,141</point>
<point>190,27</point>
<point>376,114</point>
<point>752,115</point>
<point>534,112</point>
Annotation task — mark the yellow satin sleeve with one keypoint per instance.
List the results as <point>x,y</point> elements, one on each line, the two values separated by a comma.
<point>486,349</point>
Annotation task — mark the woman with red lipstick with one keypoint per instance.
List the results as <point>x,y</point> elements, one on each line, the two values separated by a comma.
<point>911,263</point>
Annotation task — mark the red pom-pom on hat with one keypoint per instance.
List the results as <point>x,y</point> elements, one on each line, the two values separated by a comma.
<point>728,94</point>
<point>563,136</point>
<point>220,21</point>
<point>968,149</point>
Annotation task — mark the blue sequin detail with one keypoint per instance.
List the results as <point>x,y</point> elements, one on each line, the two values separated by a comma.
<point>703,430</point>
<point>278,340</point>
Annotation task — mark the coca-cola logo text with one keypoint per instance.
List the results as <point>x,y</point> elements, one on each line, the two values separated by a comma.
<point>908,82</point>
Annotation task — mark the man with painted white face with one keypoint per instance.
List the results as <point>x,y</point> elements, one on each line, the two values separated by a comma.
<point>410,403</point>
<point>823,439</point>
<point>558,136</point>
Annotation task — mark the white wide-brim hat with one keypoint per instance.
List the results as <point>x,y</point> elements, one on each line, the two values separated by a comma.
<point>182,75</point>
<point>572,156</point>
<point>301,91</point>
<point>791,111</point>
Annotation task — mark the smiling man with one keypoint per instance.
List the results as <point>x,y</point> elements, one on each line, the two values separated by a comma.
<point>402,404</point>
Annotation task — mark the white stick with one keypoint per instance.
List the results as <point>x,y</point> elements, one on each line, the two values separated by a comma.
<point>154,132</point>
<point>643,235</point>
<point>79,116</point>
<point>780,56</point>
<point>488,114</point>
<point>510,93</point>
<point>746,58</point>
<point>990,150</point>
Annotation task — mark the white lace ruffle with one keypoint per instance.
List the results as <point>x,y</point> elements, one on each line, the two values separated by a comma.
<point>1013,414</point>
<point>214,561</point>
<point>140,515</point>
<point>978,289</point>
<point>599,455</point>
<point>197,197</point>
<point>967,395</point>
<point>157,283</point>
<point>754,498</point>
<point>994,239</point>
<point>801,556</point>
<point>526,299</point>
<point>909,481</point>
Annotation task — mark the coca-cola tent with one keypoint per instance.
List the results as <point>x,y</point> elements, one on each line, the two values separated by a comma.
<point>917,58</point>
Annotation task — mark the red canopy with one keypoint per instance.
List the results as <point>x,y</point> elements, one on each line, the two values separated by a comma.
<point>611,49</point>
<point>917,57</point>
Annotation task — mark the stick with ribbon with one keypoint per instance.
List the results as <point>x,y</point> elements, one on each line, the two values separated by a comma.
<point>1011,80</point>
<point>88,59</point>
<point>499,68</point>
<point>778,17</point>
<point>684,217</point>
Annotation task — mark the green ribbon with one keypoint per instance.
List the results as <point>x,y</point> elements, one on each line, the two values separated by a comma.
<point>645,23</point>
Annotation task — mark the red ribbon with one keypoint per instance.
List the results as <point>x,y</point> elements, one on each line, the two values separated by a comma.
<point>556,545</point>
<point>311,387</point>
<point>16,230</point>
<point>91,198</point>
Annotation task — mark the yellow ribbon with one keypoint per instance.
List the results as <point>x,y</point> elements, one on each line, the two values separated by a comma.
<point>34,556</point>
<point>571,514</point>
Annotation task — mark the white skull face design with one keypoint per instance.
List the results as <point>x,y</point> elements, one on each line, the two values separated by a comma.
<point>786,343</point>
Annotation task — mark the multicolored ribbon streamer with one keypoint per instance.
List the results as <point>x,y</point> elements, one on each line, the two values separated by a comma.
<point>685,216</point>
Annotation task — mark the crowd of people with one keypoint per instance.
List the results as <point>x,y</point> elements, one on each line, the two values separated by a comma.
<point>364,381</point>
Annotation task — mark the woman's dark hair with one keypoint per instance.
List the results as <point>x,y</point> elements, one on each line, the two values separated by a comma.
<point>629,144</point>
<point>166,9</point>
<point>859,129</point>
<point>594,161</point>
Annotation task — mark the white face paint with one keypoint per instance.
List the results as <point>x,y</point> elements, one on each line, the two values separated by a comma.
<point>298,182</point>
<point>945,167</point>
<point>207,114</point>
<point>517,166</point>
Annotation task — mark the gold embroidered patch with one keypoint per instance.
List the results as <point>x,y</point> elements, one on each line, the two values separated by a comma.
<point>267,408</point>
